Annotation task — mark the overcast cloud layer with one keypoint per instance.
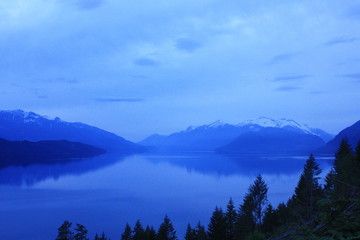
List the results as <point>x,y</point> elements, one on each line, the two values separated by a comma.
<point>139,67</point>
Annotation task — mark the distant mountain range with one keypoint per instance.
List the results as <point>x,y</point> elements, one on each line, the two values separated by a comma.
<point>263,135</point>
<point>25,152</point>
<point>18,125</point>
<point>253,136</point>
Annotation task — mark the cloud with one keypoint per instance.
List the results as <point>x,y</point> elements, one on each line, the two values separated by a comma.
<point>341,40</point>
<point>146,62</point>
<point>287,88</point>
<point>89,4</point>
<point>291,78</point>
<point>282,57</point>
<point>187,44</point>
<point>351,75</point>
<point>129,100</point>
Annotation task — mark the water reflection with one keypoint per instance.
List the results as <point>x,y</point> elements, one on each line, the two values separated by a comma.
<point>30,175</point>
<point>106,192</point>
<point>205,163</point>
<point>240,164</point>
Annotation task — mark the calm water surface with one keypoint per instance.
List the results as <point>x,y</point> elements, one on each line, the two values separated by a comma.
<point>104,193</point>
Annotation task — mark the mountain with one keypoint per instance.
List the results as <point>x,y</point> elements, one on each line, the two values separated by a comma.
<point>218,134</point>
<point>25,152</point>
<point>352,134</point>
<point>273,140</point>
<point>21,125</point>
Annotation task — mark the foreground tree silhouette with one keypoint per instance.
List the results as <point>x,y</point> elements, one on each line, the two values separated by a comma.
<point>102,237</point>
<point>139,233</point>
<point>252,209</point>
<point>190,233</point>
<point>217,225</point>
<point>258,192</point>
<point>127,235</point>
<point>64,231</point>
<point>230,219</point>
<point>81,232</point>
<point>166,230</point>
<point>197,233</point>
<point>150,233</point>
<point>308,191</point>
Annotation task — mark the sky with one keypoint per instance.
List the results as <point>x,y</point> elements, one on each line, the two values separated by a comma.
<point>141,67</point>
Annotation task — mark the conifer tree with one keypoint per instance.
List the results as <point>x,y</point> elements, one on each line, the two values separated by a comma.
<point>139,232</point>
<point>230,219</point>
<point>270,221</point>
<point>252,209</point>
<point>245,222</point>
<point>345,165</point>
<point>102,237</point>
<point>190,233</point>
<point>217,225</point>
<point>258,193</point>
<point>329,187</point>
<point>200,232</point>
<point>81,232</point>
<point>127,235</point>
<point>166,230</point>
<point>64,231</point>
<point>308,191</point>
<point>150,233</point>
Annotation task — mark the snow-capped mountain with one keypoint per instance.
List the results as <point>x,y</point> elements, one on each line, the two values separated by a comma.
<point>22,125</point>
<point>289,124</point>
<point>217,134</point>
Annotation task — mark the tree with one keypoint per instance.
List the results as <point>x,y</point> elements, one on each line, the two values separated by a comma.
<point>270,220</point>
<point>127,235</point>
<point>308,190</point>
<point>64,231</point>
<point>230,219</point>
<point>258,192</point>
<point>150,233</point>
<point>166,230</point>
<point>217,225</point>
<point>252,209</point>
<point>200,232</point>
<point>190,233</point>
<point>81,232</point>
<point>102,237</point>
<point>345,171</point>
<point>139,232</point>
<point>245,223</point>
<point>329,187</point>
<point>197,233</point>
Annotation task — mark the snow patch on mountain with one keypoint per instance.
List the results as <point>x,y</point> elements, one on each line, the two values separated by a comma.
<point>280,123</point>
<point>263,122</point>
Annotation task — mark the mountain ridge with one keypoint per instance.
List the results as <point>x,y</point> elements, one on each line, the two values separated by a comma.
<point>19,125</point>
<point>217,134</point>
<point>351,134</point>
<point>45,152</point>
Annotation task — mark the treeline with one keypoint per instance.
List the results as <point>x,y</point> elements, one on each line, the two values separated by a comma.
<point>315,211</point>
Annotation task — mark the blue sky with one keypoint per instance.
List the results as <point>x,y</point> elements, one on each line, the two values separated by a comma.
<point>141,67</point>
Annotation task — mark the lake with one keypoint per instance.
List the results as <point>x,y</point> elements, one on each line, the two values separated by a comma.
<point>106,192</point>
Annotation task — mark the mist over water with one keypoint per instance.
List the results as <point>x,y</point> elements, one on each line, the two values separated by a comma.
<point>106,192</point>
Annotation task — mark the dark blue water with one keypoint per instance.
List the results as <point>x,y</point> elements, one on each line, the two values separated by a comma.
<point>104,193</point>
